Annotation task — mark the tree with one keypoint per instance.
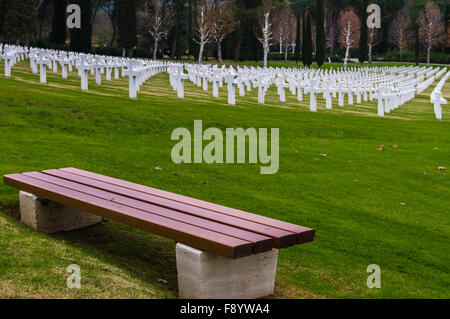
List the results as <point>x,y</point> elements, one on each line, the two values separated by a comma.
<point>110,9</point>
<point>81,39</point>
<point>20,21</point>
<point>224,22</point>
<point>59,30</point>
<point>307,40</point>
<point>320,33</point>
<point>126,25</point>
<point>2,17</point>
<point>265,28</point>
<point>363,45</point>
<point>431,28</point>
<point>350,33</point>
<point>297,39</point>
<point>178,16</point>
<point>160,20</point>
<point>284,29</point>
<point>204,27</point>
<point>398,34</point>
<point>372,41</point>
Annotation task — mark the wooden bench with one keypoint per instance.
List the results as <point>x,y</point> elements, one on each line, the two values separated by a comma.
<point>208,235</point>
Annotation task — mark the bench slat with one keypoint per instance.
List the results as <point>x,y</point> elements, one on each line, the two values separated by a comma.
<point>181,232</point>
<point>304,234</point>
<point>260,243</point>
<point>281,238</point>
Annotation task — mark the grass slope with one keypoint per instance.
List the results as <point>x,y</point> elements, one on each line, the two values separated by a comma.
<point>389,208</point>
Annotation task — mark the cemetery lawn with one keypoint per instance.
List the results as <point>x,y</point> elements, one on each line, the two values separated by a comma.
<point>389,207</point>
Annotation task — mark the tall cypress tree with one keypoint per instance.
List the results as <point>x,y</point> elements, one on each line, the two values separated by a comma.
<point>81,39</point>
<point>307,41</point>
<point>297,39</point>
<point>363,45</point>
<point>20,21</point>
<point>2,17</point>
<point>304,37</point>
<point>59,30</point>
<point>320,33</point>
<point>126,25</point>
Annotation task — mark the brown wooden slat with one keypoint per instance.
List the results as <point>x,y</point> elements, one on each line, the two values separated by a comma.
<point>260,243</point>
<point>181,232</point>
<point>281,238</point>
<point>304,234</point>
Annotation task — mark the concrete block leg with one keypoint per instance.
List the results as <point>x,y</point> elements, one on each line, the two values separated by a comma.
<point>204,275</point>
<point>49,217</point>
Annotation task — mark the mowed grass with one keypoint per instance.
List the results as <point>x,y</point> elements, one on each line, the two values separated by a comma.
<point>388,207</point>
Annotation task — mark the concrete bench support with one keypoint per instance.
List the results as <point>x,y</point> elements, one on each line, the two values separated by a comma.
<point>204,275</point>
<point>49,217</point>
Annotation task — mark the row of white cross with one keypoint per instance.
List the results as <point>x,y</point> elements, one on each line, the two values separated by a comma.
<point>138,71</point>
<point>391,86</point>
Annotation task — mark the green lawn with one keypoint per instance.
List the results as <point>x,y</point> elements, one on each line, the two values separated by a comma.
<point>388,207</point>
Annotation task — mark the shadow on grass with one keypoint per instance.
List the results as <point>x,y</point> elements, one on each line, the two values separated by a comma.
<point>145,256</point>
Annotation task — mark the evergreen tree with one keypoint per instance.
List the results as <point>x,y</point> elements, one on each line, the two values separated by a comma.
<point>2,17</point>
<point>81,39</point>
<point>20,22</point>
<point>127,33</point>
<point>320,33</point>
<point>363,39</point>
<point>297,39</point>
<point>59,30</point>
<point>307,41</point>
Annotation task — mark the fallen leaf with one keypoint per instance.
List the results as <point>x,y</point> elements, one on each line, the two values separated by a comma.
<point>394,146</point>
<point>403,204</point>
<point>158,168</point>
<point>162,281</point>
<point>323,155</point>
<point>380,148</point>
<point>296,151</point>
<point>425,173</point>
<point>442,168</point>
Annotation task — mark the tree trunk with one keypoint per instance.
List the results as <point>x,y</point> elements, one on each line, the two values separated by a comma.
<point>219,52</point>
<point>155,49</point>
<point>429,55</point>
<point>174,48</point>
<point>111,42</point>
<point>347,53</point>
<point>200,54</point>
<point>240,37</point>
<point>265,56</point>
<point>285,54</point>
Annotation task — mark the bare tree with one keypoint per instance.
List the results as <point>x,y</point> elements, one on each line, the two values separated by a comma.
<point>160,20</point>
<point>431,28</point>
<point>109,9</point>
<point>284,23</point>
<point>330,27</point>
<point>372,40</point>
<point>204,30</point>
<point>264,34</point>
<point>398,33</point>
<point>350,31</point>
<point>224,22</point>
